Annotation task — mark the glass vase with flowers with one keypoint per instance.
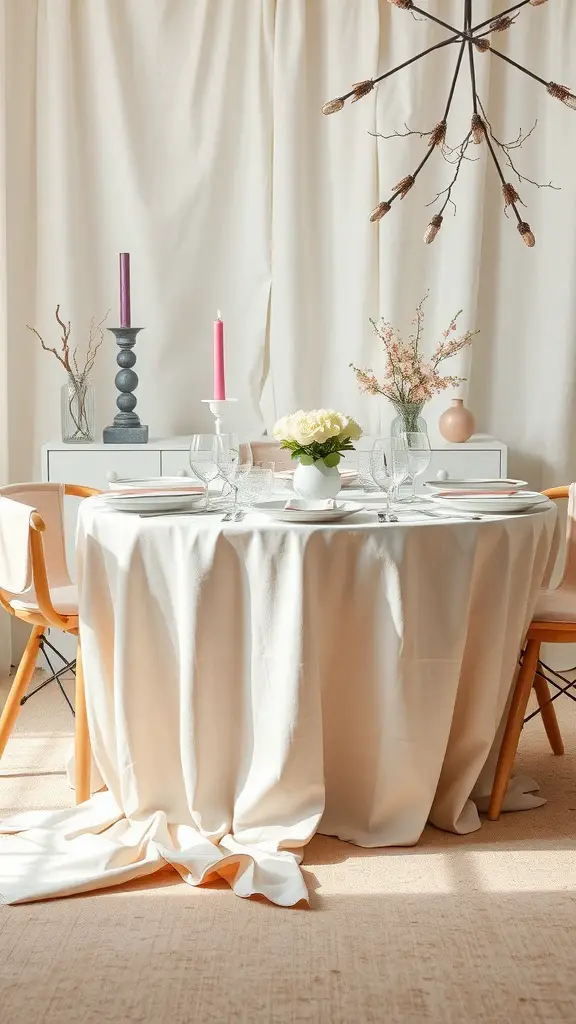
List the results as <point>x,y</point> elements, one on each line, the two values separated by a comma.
<point>410,378</point>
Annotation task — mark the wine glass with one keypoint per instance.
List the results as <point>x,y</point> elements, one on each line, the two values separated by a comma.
<point>381,466</point>
<point>232,458</point>
<point>400,469</point>
<point>419,457</point>
<point>203,461</point>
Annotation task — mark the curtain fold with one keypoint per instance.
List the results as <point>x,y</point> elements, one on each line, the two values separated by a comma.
<point>189,133</point>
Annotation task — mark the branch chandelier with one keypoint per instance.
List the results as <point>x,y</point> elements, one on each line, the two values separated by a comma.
<point>473,44</point>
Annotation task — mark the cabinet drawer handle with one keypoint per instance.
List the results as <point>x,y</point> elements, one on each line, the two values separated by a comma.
<point>182,472</point>
<point>442,474</point>
<point>111,476</point>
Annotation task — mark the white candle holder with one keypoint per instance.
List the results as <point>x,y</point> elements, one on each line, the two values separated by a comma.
<point>218,408</point>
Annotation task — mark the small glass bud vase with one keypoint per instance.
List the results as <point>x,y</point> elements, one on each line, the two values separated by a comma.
<point>77,410</point>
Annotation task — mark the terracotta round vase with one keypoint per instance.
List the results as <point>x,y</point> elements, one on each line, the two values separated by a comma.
<point>457,423</point>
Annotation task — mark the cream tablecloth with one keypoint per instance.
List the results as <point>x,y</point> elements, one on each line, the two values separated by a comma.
<point>249,684</point>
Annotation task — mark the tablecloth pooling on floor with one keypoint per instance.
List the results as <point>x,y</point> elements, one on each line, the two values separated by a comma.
<point>249,684</point>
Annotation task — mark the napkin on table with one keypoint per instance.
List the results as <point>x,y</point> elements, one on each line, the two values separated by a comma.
<point>146,492</point>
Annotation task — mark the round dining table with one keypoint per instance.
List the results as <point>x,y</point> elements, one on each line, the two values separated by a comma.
<point>251,683</point>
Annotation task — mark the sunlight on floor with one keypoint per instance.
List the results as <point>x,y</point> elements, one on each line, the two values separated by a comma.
<point>532,869</point>
<point>526,852</point>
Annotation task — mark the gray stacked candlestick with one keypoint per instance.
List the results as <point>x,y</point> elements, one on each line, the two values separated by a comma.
<point>126,428</point>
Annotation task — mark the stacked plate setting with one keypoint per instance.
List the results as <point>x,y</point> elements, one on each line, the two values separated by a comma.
<point>166,494</point>
<point>488,496</point>
<point>277,510</point>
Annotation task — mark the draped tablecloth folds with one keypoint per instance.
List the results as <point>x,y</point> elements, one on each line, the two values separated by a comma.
<point>249,684</point>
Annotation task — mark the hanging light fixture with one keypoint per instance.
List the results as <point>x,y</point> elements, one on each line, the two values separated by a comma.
<point>472,40</point>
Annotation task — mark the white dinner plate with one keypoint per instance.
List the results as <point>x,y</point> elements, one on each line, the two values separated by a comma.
<point>155,483</point>
<point>484,484</point>
<point>276,510</point>
<point>520,502</point>
<point>169,501</point>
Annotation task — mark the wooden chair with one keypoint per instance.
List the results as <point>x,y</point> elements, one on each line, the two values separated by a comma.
<point>35,586</point>
<point>270,451</point>
<point>554,622</point>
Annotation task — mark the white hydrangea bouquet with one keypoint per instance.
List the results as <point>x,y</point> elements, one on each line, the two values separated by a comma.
<point>316,440</point>
<point>321,434</point>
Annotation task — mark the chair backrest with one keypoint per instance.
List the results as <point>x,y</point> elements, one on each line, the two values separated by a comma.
<point>15,555</point>
<point>270,451</point>
<point>15,565</point>
<point>569,570</point>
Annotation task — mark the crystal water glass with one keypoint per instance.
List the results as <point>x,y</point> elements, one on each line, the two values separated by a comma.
<point>203,461</point>
<point>256,484</point>
<point>362,463</point>
<point>279,483</point>
<point>419,457</point>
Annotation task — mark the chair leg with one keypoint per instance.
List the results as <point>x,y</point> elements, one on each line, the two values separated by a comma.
<point>548,715</point>
<point>21,682</point>
<point>513,728</point>
<point>81,736</point>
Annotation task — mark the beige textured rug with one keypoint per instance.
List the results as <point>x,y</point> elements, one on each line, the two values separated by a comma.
<point>457,929</point>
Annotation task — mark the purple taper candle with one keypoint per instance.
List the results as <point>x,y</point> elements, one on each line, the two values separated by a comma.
<point>125,289</point>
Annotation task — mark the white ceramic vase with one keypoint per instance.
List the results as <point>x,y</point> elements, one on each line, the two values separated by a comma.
<point>317,481</point>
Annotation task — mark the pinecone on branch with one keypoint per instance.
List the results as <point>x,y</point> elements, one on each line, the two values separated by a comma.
<point>404,186</point>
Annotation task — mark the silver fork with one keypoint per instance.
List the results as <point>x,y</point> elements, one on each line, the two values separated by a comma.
<point>182,512</point>
<point>441,515</point>
<point>385,517</point>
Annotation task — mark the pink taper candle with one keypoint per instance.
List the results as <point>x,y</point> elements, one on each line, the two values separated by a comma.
<point>219,380</point>
<point>125,289</point>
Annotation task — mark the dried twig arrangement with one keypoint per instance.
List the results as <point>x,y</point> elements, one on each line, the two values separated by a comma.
<point>69,357</point>
<point>471,40</point>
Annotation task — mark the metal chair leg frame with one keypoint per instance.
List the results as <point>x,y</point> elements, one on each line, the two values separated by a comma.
<point>561,689</point>
<point>56,676</point>
<point>68,666</point>
<point>568,683</point>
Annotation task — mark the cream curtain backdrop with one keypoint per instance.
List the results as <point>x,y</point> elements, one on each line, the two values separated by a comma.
<point>189,132</point>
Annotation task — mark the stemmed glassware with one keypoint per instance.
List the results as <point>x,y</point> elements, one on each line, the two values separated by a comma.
<point>400,468</point>
<point>203,461</point>
<point>218,455</point>
<point>389,465</point>
<point>419,457</point>
<point>231,458</point>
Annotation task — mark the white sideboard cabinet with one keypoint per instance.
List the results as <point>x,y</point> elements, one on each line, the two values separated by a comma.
<point>96,464</point>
